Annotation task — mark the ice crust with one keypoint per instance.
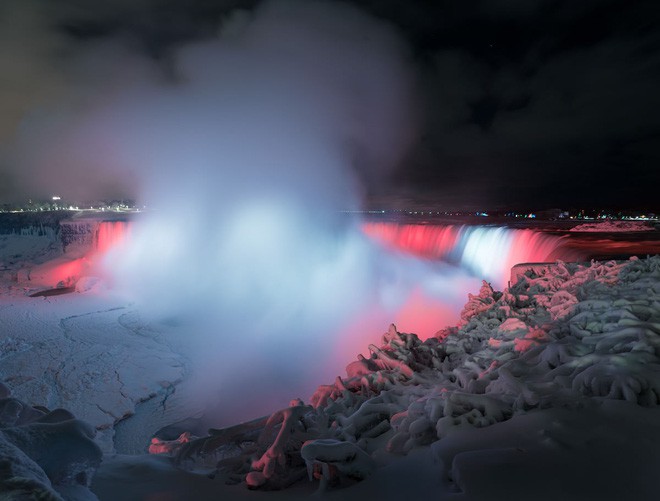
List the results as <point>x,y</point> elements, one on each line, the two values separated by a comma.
<point>572,339</point>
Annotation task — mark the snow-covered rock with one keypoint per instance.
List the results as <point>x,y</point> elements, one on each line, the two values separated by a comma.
<point>332,460</point>
<point>44,454</point>
<point>582,336</point>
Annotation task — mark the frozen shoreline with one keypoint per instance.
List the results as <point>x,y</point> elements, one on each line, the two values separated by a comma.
<point>93,355</point>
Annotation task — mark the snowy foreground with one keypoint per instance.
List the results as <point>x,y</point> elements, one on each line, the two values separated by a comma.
<point>548,390</point>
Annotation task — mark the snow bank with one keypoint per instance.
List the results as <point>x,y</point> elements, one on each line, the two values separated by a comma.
<point>44,453</point>
<point>609,226</point>
<point>21,250</point>
<point>575,339</point>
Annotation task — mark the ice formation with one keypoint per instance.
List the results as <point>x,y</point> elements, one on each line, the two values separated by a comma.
<point>44,454</point>
<point>57,254</point>
<point>575,337</point>
<point>609,226</point>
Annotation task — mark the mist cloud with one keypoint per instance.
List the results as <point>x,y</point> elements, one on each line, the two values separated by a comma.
<point>247,152</point>
<point>246,162</point>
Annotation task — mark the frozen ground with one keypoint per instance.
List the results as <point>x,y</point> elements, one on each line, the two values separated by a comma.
<point>87,352</point>
<point>549,390</point>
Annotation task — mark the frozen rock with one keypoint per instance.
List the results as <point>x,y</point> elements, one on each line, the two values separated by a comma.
<point>21,477</point>
<point>332,461</point>
<point>44,452</point>
<point>159,446</point>
<point>274,466</point>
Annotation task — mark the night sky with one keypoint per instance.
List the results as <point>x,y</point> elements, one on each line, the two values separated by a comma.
<point>519,103</point>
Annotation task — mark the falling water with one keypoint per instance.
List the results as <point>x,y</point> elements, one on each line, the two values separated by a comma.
<point>488,252</point>
<point>111,234</point>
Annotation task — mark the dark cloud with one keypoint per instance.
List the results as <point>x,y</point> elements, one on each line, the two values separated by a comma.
<point>550,102</point>
<point>559,109</point>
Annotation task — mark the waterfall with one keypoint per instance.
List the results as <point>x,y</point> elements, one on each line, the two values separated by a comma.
<point>488,252</point>
<point>110,234</point>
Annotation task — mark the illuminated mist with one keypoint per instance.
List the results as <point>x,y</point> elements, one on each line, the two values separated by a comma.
<point>247,163</point>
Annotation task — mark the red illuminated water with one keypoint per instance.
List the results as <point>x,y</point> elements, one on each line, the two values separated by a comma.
<point>420,240</point>
<point>487,251</point>
<point>111,234</point>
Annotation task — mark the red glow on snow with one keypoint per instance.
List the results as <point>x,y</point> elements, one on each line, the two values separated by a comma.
<point>494,343</point>
<point>66,270</point>
<point>72,269</point>
<point>530,340</point>
<point>59,273</point>
<point>158,446</point>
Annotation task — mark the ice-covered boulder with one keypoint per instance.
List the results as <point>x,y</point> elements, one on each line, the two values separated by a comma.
<point>333,461</point>
<point>44,454</point>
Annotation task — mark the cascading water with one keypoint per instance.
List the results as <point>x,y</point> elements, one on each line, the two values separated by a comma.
<point>485,251</point>
<point>488,252</point>
<point>111,234</point>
